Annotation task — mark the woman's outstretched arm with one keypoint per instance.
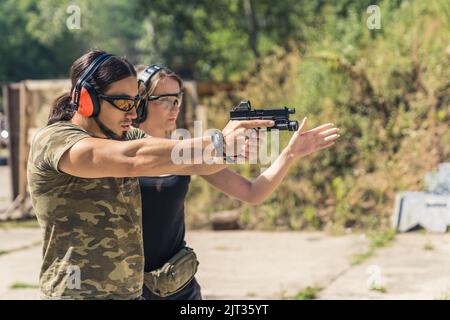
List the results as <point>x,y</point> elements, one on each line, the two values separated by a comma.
<point>258,190</point>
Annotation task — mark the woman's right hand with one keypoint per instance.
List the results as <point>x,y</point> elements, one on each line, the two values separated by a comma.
<point>240,130</point>
<point>304,142</point>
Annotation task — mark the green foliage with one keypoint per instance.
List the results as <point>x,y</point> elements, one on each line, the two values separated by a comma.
<point>378,239</point>
<point>388,91</point>
<point>215,40</point>
<point>362,257</point>
<point>309,293</point>
<point>22,54</point>
<point>31,223</point>
<point>443,296</point>
<point>23,285</point>
<point>382,239</point>
<point>379,289</point>
<point>428,246</point>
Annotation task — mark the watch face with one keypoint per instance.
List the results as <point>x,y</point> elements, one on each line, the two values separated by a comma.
<point>217,139</point>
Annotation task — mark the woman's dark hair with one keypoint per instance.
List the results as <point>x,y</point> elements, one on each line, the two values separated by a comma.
<point>112,70</point>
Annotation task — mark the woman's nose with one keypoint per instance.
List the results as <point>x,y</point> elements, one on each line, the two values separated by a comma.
<point>175,108</point>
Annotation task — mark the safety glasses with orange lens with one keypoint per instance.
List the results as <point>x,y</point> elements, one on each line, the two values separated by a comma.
<point>123,103</point>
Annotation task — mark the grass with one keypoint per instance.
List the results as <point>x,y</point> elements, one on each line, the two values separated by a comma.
<point>382,239</point>
<point>428,246</point>
<point>379,239</point>
<point>30,223</point>
<point>23,285</point>
<point>283,294</point>
<point>309,293</point>
<point>443,296</point>
<point>361,257</point>
<point>379,289</point>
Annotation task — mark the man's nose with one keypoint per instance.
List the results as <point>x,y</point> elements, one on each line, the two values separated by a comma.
<point>132,113</point>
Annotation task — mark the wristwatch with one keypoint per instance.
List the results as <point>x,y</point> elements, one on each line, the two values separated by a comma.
<point>219,145</point>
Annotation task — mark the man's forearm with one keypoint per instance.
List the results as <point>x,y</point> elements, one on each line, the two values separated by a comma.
<point>154,156</point>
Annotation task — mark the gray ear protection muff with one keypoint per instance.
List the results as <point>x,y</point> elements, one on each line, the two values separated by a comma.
<point>144,79</point>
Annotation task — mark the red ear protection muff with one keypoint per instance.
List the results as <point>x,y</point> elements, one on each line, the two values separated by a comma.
<point>84,95</point>
<point>144,79</point>
<point>88,104</point>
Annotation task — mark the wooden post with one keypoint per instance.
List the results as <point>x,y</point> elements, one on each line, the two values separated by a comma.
<point>11,105</point>
<point>201,114</point>
<point>190,103</point>
<point>23,143</point>
<point>22,111</point>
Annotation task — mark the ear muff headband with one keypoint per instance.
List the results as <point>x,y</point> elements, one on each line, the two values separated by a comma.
<point>144,78</point>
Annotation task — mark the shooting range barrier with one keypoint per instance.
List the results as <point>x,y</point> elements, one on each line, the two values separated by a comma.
<point>429,209</point>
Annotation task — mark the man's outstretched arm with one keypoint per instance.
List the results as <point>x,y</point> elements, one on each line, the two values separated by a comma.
<point>98,158</point>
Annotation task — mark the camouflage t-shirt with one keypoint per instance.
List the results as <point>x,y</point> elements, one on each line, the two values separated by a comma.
<point>92,227</point>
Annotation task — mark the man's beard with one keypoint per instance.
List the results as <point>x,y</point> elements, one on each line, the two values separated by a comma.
<point>108,132</point>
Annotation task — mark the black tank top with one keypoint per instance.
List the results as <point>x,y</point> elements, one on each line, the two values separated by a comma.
<point>162,217</point>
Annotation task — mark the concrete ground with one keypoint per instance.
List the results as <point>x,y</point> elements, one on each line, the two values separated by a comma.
<point>275,265</point>
<point>415,266</point>
<point>269,265</point>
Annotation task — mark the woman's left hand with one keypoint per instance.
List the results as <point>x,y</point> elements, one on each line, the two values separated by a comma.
<point>304,142</point>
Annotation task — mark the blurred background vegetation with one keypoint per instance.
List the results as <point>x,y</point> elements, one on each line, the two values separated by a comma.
<point>388,89</point>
